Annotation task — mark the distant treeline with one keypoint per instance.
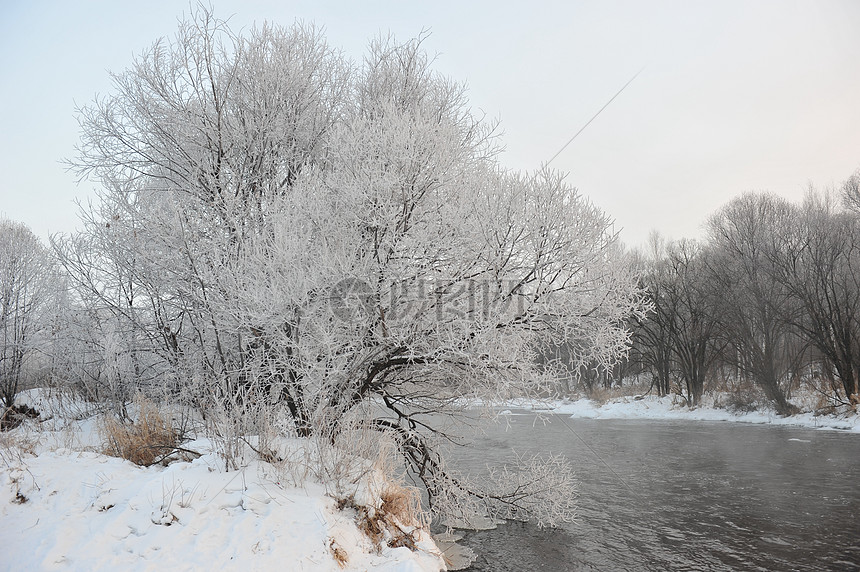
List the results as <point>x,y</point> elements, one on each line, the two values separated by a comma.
<point>769,299</point>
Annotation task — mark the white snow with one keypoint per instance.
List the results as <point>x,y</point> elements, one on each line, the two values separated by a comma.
<point>66,506</point>
<point>668,407</point>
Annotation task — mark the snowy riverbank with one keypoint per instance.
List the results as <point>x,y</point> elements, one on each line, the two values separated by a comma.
<point>66,506</point>
<point>653,407</point>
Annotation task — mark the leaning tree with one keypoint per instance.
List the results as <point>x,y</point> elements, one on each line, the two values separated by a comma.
<point>284,228</point>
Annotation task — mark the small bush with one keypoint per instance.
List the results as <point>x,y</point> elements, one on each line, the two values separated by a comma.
<point>15,415</point>
<point>401,507</point>
<point>395,522</point>
<point>388,512</point>
<point>601,394</point>
<point>742,401</point>
<point>149,440</point>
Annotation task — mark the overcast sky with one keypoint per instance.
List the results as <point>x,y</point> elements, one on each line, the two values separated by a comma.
<point>734,96</point>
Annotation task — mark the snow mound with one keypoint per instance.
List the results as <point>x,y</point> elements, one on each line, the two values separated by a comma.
<point>62,508</point>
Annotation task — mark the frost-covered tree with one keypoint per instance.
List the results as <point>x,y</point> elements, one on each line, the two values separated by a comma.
<point>280,227</point>
<point>25,268</point>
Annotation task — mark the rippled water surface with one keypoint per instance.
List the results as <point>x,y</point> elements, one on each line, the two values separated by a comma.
<point>669,495</point>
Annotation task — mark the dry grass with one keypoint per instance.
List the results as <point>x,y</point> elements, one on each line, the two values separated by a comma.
<point>601,394</point>
<point>150,439</point>
<point>12,417</point>
<point>401,507</point>
<point>395,522</point>
<point>742,401</point>
<point>339,554</point>
<point>16,445</point>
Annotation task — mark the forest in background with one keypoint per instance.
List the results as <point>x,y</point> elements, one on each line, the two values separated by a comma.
<point>766,304</point>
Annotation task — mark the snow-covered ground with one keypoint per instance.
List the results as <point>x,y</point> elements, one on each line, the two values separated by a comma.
<point>653,407</point>
<point>66,506</point>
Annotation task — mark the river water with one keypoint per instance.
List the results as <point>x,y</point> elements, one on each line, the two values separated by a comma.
<point>683,495</point>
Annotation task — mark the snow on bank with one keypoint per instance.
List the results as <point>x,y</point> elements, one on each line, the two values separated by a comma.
<point>75,509</point>
<point>653,407</point>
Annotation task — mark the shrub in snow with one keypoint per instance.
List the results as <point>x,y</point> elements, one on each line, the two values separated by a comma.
<point>147,440</point>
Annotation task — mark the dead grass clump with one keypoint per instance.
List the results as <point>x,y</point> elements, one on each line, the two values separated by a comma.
<point>602,394</point>
<point>15,446</point>
<point>395,522</point>
<point>149,440</point>
<point>13,416</point>
<point>742,401</point>
<point>404,505</point>
<point>339,554</point>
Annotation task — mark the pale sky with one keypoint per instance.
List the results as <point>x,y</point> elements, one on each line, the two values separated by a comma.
<point>734,96</point>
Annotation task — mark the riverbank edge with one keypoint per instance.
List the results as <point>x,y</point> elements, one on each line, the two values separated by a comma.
<point>652,407</point>
<point>64,502</point>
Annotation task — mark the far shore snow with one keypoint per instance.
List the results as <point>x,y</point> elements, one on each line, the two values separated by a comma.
<point>668,408</point>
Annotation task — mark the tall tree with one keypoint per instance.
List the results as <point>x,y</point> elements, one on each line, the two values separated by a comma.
<point>679,337</point>
<point>25,268</point>
<point>694,319</point>
<point>819,262</point>
<point>756,307</point>
<point>300,231</point>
